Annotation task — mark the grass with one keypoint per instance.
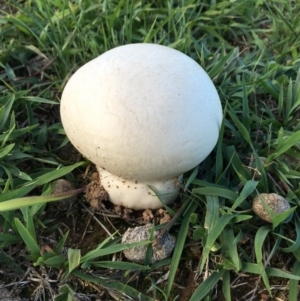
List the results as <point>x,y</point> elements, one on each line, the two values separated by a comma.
<point>250,49</point>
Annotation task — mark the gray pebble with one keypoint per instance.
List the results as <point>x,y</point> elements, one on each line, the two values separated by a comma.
<point>161,251</point>
<point>61,186</point>
<point>276,202</point>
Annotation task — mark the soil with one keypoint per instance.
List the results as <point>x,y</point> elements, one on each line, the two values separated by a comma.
<point>90,218</point>
<point>117,218</point>
<point>80,218</point>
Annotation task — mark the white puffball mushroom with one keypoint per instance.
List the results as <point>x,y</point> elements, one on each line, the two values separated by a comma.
<point>277,203</point>
<point>144,114</point>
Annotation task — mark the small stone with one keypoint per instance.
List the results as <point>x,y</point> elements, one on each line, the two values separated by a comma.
<point>276,202</point>
<point>137,254</point>
<point>61,186</point>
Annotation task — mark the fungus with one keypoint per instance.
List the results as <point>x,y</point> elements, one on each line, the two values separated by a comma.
<point>144,114</point>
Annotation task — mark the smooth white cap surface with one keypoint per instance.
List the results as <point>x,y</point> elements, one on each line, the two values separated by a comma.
<point>142,112</point>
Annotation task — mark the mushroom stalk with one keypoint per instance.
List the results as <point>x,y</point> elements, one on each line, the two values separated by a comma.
<point>127,192</point>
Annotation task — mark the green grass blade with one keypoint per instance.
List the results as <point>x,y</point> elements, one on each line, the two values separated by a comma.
<point>238,166</point>
<point>55,261</point>
<point>18,133</point>
<point>41,180</point>
<point>191,178</point>
<point>217,192</point>
<point>255,268</point>
<point>248,188</point>
<point>149,250</point>
<point>53,175</point>
<point>273,272</point>
<point>284,146</point>
<point>226,289</point>
<point>120,265</point>
<point>28,239</point>
<point>289,99</point>
<point>270,88</point>
<point>61,242</point>
<point>229,248</point>
<point>9,237</point>
<point>118,287</point>
<point>179,246</point>
<point>260,237</point>
<point>111,250</point>
<point>213,235</point>
<point>29,223</point>
<point>34,200</point>
<point>244,132</point>
<point>6,150</point>
<point>4,115</point>
<point>219,155</point>
<point>40,100</point>
<point>74,256</point>
<point>245,116</point>
<point>222,63</point>
<point>206,286</point>
<point>293,285</point>
<point>296,245</point>
<point>212,212</point>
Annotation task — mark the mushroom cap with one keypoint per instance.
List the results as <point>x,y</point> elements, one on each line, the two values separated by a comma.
<point>142,111</point>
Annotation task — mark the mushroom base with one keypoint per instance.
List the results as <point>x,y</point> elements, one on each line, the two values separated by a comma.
<point>136,195</point>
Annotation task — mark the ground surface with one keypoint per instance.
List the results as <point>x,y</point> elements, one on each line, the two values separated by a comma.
<point>89,218</point>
